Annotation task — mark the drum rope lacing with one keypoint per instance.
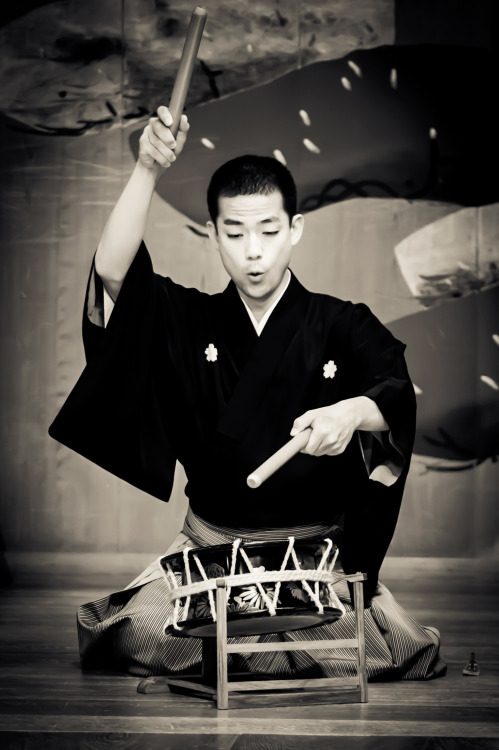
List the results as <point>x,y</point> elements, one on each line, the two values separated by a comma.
<point>322,574</point>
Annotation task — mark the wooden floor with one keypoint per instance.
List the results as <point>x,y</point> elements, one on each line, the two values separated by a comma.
<point>47,702</point>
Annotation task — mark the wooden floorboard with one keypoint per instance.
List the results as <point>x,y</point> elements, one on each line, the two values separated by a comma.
<point>46,701</point>
<point>124,741</point>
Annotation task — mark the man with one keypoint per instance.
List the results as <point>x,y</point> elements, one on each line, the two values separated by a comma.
<point>219,383</point>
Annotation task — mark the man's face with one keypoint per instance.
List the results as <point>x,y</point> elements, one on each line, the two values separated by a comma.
<point>255,241</point>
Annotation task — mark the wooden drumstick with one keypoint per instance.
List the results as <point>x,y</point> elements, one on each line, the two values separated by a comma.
<point>278,459</point>
<point>186,67</point>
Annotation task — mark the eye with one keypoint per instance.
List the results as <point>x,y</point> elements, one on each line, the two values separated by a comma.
<point>271,234</point>
<point>234,236</point>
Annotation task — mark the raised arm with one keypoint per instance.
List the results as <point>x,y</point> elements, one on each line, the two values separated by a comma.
<point>126,225</point>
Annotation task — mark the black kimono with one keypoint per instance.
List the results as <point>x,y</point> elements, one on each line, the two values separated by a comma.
<point>182,375</point>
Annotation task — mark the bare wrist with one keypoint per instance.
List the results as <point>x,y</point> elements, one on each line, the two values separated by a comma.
<point>362,410</point>
<point>370,417</point>
<point>148,174</point>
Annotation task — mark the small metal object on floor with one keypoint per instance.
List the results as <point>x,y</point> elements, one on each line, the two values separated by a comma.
<point>471,669</point>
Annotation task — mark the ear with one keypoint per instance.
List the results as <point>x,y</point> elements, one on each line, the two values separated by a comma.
<point>297,225</point>
<point>212,234</point>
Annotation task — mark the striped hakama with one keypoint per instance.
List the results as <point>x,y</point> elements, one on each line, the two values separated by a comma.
<point>126,629</point>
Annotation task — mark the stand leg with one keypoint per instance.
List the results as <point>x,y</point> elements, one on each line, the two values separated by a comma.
<point>358,594</point>
<point>222,691</point>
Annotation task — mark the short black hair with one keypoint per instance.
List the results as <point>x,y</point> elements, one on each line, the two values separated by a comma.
<point>252,175</point>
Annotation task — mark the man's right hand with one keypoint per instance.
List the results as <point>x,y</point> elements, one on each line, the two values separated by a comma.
<point>157,145</point>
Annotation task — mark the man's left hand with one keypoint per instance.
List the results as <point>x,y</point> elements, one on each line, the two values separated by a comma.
<point>333,426</point>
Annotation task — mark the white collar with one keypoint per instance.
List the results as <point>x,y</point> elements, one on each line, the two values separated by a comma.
<point>259,326</point>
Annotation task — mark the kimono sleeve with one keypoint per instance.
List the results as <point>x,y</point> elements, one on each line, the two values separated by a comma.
<point>383,377</point>
<point>111,416</point>
<point>373,508</point>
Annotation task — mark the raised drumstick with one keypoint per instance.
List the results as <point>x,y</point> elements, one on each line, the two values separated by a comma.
<point>186,67</point>
<point>278,459</point>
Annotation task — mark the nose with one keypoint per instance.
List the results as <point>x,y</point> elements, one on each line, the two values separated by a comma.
<point>253,247</point>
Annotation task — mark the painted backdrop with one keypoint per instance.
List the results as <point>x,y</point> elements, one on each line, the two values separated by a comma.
<point>383,110</point>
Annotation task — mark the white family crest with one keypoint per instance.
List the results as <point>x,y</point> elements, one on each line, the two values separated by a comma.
<point>329,369</point>
<point>211,352</point>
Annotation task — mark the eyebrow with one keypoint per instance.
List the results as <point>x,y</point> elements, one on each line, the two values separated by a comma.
<point>233,222</point>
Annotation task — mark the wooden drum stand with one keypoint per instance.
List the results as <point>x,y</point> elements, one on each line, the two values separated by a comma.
<point>214,682</point>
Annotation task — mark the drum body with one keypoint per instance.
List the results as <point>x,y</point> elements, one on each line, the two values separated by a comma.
<point>247,613</point>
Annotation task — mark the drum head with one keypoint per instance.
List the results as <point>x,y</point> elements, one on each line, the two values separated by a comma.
<point>257,623</point>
